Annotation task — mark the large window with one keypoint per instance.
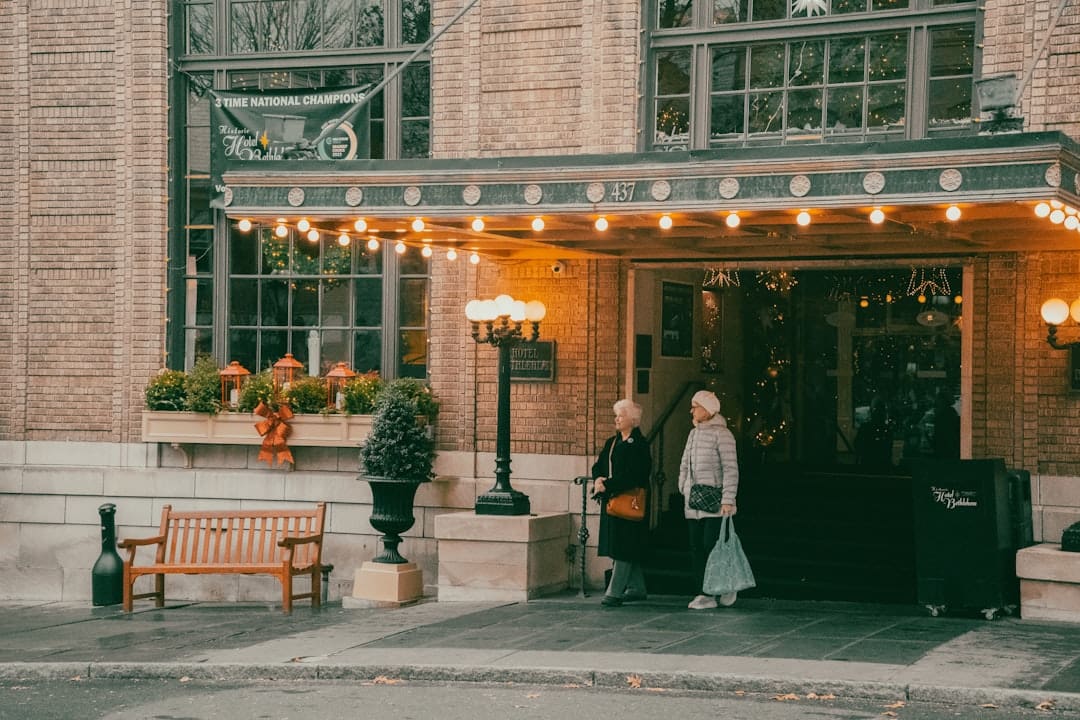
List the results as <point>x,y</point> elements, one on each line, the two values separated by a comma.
<point>778,72</point>
<point>255,296</point>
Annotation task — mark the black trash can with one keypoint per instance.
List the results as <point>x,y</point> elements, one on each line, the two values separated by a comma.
<point>965,536</point>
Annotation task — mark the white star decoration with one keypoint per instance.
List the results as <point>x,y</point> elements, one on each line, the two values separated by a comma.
<point>810,7</point>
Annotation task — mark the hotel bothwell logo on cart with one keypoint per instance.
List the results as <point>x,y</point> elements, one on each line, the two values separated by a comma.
<point>954,499</point>
<point>259,126</point>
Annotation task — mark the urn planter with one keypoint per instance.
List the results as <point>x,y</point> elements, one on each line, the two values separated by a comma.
<point>391,513</point>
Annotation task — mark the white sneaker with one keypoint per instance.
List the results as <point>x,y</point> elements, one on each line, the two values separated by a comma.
<point>728,599</point>
<point>702,602</point>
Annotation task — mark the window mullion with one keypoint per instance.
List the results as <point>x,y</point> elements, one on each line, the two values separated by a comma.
<point>699,97</point>
<point>918,84</point>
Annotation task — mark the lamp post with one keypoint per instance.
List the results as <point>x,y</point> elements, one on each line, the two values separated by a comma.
<point>501,323</point>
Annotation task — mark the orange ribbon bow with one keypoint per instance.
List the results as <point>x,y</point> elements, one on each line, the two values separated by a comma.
<point>274,431</point>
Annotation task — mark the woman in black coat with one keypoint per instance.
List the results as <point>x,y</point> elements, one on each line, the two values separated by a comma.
<point>624,464</point>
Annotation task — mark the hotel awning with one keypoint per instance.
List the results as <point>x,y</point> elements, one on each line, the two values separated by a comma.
<point>996,182</point>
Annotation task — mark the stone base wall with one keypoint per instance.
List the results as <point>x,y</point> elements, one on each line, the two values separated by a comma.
<point>50,492</point>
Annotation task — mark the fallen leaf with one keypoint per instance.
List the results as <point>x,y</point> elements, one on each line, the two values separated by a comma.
<point>571,685</point>
<point>658,690</point>
<point>1045,705</point>
<point>991,706</point>
<point>383,680</point>
<point>740,693</point>
<point>788,696</point>
<point>533,695</point>
<point>185,679</point>
<point>77,678</point>
<point>897,704</point>
<point>633,681</point>
<point>826,696</point>
<point>889,713</point>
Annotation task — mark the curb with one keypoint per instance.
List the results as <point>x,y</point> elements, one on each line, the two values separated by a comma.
<point>695,682</point>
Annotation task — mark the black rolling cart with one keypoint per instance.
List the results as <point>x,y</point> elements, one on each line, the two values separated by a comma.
<point>965,536</point>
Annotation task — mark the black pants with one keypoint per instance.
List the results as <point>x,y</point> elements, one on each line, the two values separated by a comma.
<point>703,536</point>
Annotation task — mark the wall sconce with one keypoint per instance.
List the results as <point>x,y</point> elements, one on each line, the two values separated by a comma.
<point>1054,312</point>
<point>232,379</point>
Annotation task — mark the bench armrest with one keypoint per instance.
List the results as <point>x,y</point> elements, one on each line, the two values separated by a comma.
<point>307,539</point>
<point>134,542</point>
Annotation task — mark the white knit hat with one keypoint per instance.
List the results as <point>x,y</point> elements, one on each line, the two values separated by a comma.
<point>706,400</point>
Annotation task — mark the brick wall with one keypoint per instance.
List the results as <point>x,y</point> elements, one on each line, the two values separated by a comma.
<point>542,78</point>
<point>1014,31</point>
<point>84,189</point>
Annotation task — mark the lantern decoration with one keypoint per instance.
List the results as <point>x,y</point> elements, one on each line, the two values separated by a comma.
<point>285,371</point>
<point>335,385</point>
<point>232,379</point>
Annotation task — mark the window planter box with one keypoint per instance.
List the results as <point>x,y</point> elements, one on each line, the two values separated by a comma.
<point>188,428</point>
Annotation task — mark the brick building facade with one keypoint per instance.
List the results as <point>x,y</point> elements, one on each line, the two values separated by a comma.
<point>85,191</point>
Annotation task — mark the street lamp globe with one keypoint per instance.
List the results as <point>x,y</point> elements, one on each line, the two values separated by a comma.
<point>1054,311</point>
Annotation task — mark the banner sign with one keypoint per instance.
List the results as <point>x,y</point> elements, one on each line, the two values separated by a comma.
<point>249,127</point>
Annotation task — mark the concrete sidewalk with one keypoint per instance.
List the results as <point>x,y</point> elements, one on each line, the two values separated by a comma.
<point>759,645</point>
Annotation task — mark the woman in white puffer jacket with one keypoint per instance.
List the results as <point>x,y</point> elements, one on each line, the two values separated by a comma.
<point>708,459</point>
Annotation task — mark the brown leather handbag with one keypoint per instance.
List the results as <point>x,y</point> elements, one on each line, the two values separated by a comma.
<point>629,505</point>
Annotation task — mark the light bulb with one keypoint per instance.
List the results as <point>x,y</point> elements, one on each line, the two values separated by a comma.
<point>1054,311</point>
<point>1057,217</point>
<point>601,224</point>
<point>803,218</point>
<point>474,259</point>
<point>1074,310</point>
<point>1042,210</point>
<point>517,311</point>
<point>360,225</point>
<point>478,224</point>
<point>343,239</point>
<point>504,303</point>
<point>665,222</point>
<point>538,224</point>
<point>426,251</point>
<point>399,248</point>
<point>303,225</point>
<point>952,213</point>
<point>1072,222</point>
<point>418,225</point>
<point>473,311</point>
<point>451,254</point>
<point>535,311</point>
<point>281,231</point>
<point>373,244</point>
<point>732,220</point>
<point>877,216</point>
<point>244,225</point>
<point>313,235</point>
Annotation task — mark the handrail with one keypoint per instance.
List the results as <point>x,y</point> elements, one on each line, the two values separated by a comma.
<point>656,437</point>
<point>658,426</point>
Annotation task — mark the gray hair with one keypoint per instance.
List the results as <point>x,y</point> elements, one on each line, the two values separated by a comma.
<point>630,409</point>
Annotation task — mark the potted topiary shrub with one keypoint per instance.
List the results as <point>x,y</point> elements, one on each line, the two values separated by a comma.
<point>398,455</point>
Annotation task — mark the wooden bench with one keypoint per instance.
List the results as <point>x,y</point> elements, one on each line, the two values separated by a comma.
<point>282,543</point>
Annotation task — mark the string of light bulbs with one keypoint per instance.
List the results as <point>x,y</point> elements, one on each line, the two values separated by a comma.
<point>314,234</point>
